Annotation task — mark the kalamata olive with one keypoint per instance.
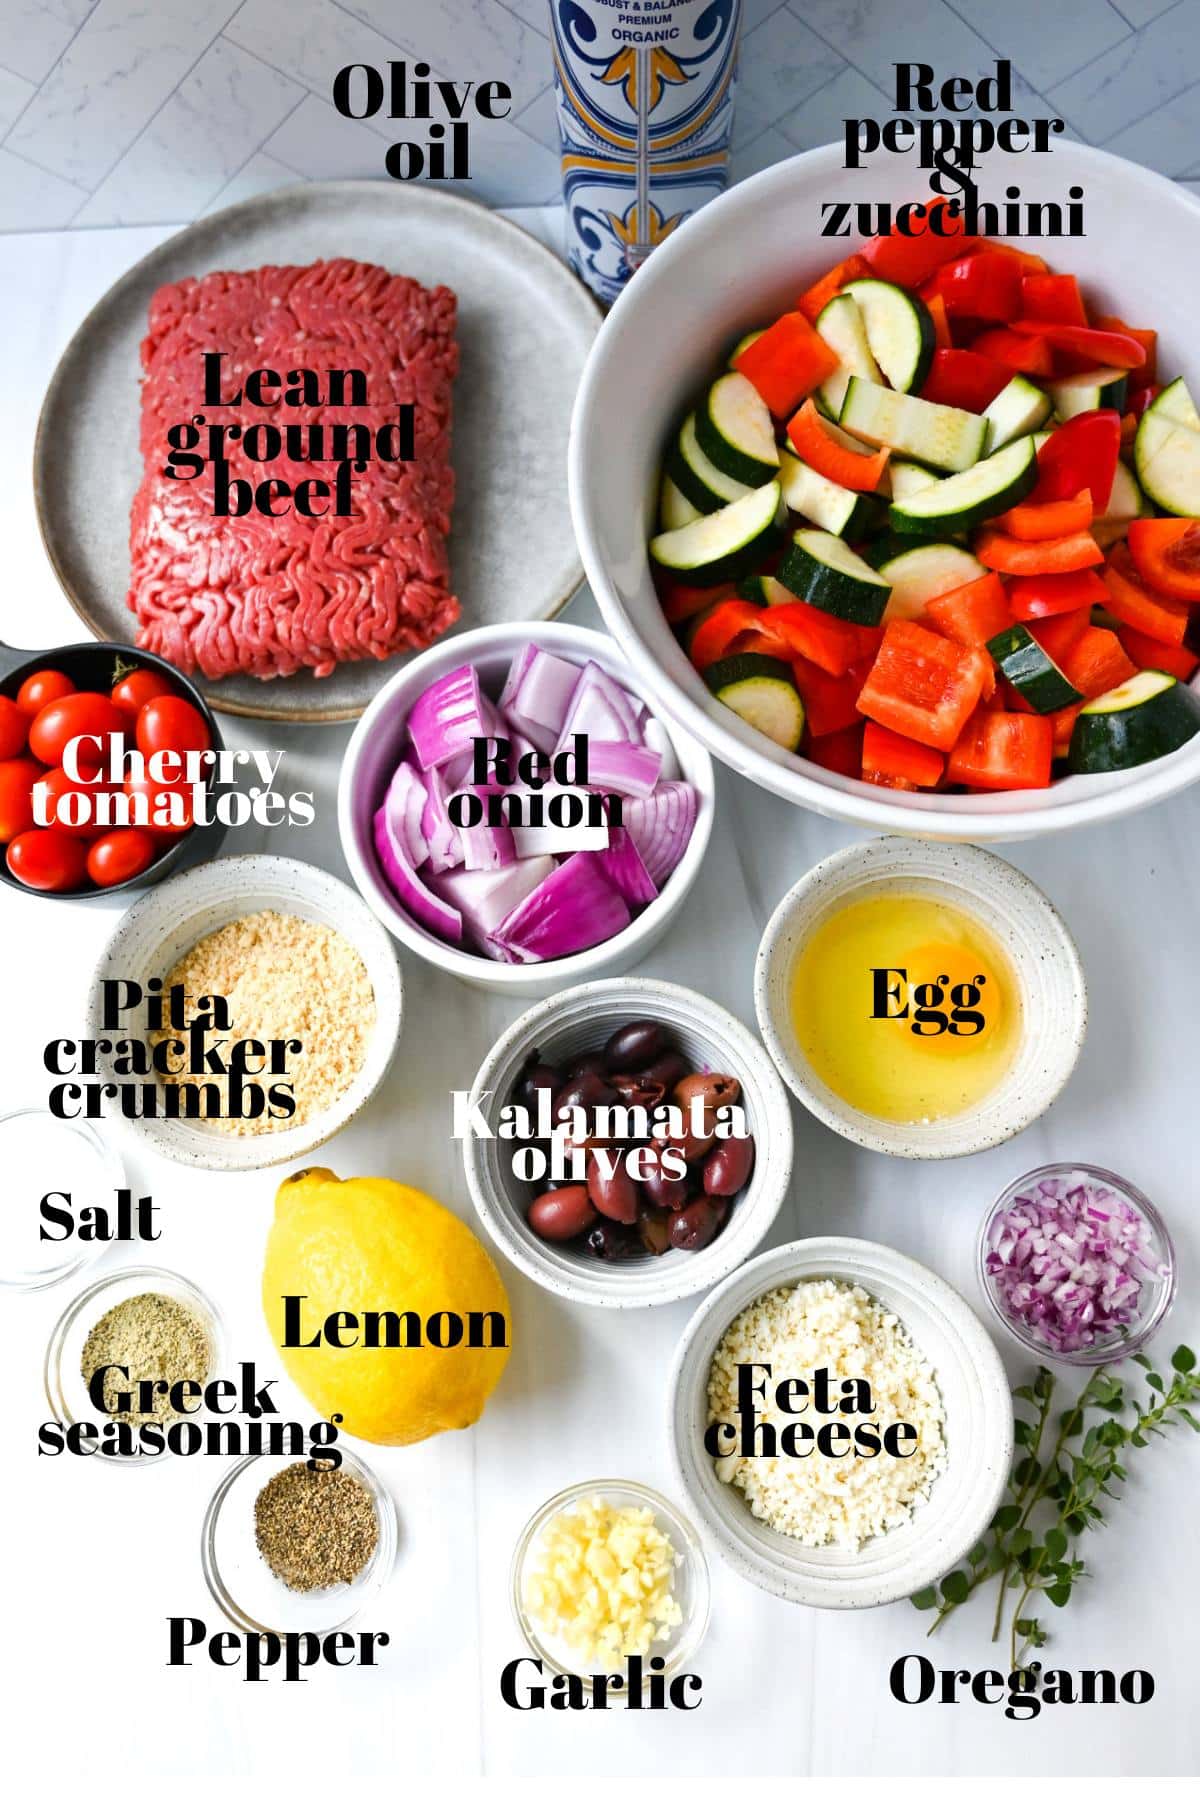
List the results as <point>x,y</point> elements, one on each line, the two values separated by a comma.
<point>591,1064</point>
<point>611,1242</point>
<point>615,1195</point>
<point>535,1077</point>
<point>654,1230</point>
<point>691,1143</point>
<point>635,1045</point>
<point>728,1165</point>
<point>664,1189</point>
<point>711,1091</point>
<point>637,1090</point>
<point>588,1091</point>
<point>698,1224</point>
<point>667,1070</point>
<point>562,1213</point>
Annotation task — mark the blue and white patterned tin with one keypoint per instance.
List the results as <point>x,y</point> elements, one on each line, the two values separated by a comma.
<point>645,109</point>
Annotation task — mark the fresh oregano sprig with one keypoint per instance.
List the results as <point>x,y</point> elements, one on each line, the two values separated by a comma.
<point>1056,1487</point>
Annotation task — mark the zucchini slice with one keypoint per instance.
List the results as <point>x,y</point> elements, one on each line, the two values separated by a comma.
<point>920,572</point>
<point>744,343</point>
<point>908,478</point>
<point>1036,676</point>
<point>1125,503</point>
<point>734,430</point>
<point>674,507</point>
<point>1175,402</point>
<point>697,478</point>
<point>832,507</point>
<point>762,691</point>
<point>841,325</point>
<point>1148,716</point>
<point>943,437</point>
<point>823,570</point>
<point>723,545</point>
<point>1087,392</point>
<point>1018,408</point>
<point>961,502</point>
<point>1166,453</point>
<point>899,331</point>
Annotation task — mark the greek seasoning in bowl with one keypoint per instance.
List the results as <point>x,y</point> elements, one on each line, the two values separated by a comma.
<point>1077,1263</point>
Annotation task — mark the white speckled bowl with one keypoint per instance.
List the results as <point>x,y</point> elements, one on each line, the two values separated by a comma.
<point>1019,916</point>
<point>580,1021</point>
<point>168,920</point>
<point>979,1431</point>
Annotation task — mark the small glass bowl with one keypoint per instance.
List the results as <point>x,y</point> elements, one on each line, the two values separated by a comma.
<point>73,1253</point>
<point>240,1580</point>
<point>66,1389</point>
<point>1157,1293</point>
<point>691,1579</point>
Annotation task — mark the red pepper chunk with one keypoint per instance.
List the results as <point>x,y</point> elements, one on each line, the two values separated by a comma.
<point>986,286</point>
<point>1023,355</point>
<point>1055,298</point>
<point>973,613</point>
<point>1061,631</point>
<point>832,644</point>
<point>963,378</point>
<point>1166,553</point>
<point>1148,654</point>
<point>999,751</point>
<point>890,760</point>
<point>838,751</point>
<point>1096,663</point>
<point>1045,596</point>
<point>815,299</point>
<point>813,445</point>
<point>1132,603</point>
<point>714,636</point>
<point>1034,521</point>
<point>1147,374</point>
<point>830,701</point>
<point>1053,556</point>
<point>934,236</point>
<point>1083,453</point>
<point>922,685</point>
<point>1099,349</point>
<point>787,362</point>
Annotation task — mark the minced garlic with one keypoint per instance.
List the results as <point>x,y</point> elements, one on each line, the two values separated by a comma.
<point>604,1581</point>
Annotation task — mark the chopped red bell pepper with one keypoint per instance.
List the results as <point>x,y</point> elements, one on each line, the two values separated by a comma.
<point>934,238</point>
<point>1003,750</point>
<point>714,636</point>
<point>984,286</point>
<point>922,685</point>
<point>832,643</point>
<point>1036,520</point>
<point>787,362</point>
<point>813,445</point>
<point>971,614</point>
<point>963,378</point>
<point>830,702</point>
<point>1134,604</point>
<point>1029,262</point>
<point>1043,596</point>
<point>1055,298</point>
<point>815,299</point>
<point>1096,663</point>
<point>1099,349</point>
<point>1063,722</point>
<point>1166,554</point>
<point>1147,374</point>
<point>1055,556</point>
<point>1083,453</point>
<point>838,751</point>
<point>1061,631</point>
<point>680,602</point>
<point>890,760</point>
<point>1021,355</point>
<point>936,308</point>
<point>1147,653</point>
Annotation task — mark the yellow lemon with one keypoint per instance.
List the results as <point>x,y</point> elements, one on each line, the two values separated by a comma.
<point>369,1246</point>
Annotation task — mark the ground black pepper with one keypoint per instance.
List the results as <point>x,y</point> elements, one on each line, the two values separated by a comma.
<point>315,1527</point>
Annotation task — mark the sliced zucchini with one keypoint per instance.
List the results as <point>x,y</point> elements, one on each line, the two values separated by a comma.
<point>762,691</point>
<point>734,430</point>
<point>823,570</point>
<point>841,325</point>
<point>909,478</point>
<point>744,343</point>
<point>943,437</point>
<point>1125,502</point>
<point>1084,393</point>
<point>1019,408</point>
<point>961,502</point>
<point>828,505</point>
<point>1148,716</point>
<point>899,331</point>
<point>1175,402</point>
<point>674,507</point>
<point>1166,454</point>
<point>697,478</point>
<point>1036,676</point>
<point>723,545</point>
<point>920,572</point>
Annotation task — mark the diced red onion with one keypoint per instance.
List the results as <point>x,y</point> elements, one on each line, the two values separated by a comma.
<point>569,911</point>
<point>407,798</point>
<point>485,897</point>
<point>661,826</point>
<point>622,768</point>
<point>623,866</point>
<point>427,908</point>
<point>600,708</point>
<point>440,833</point>
<point>446,717</point>
<point>537,695</point>
<point>485,846</point>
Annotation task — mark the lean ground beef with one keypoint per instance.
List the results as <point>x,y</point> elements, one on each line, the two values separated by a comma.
<point>269,596</point>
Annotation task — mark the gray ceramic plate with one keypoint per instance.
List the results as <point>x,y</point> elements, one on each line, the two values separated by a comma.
<point>525,328</point>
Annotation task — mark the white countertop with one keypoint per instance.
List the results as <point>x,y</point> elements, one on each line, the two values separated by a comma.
<point>97,1559</point>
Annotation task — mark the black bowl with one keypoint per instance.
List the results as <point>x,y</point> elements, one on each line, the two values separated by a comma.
<point>93,668</point>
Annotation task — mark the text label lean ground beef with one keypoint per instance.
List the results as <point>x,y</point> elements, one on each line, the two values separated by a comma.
<point>262,596</point>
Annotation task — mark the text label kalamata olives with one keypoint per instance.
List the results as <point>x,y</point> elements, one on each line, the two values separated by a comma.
<point>635,1045</point>
<point>562,1214</point>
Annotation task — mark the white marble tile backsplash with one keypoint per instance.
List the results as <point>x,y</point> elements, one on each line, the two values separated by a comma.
<point>131,111</point>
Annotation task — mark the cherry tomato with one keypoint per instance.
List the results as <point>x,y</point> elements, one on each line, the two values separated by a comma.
<point>17,777</point>
<point>133,691</point>
<point>171,724</point>
<point>150,791</point>
<point>14,728</point>
<point>75,714</point>
<point>40,688</point>
<point>51,788</point>
<point>120,855</point>
<point>48,861</point>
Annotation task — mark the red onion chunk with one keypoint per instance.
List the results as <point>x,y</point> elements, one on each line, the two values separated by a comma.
<point>1068,1260</point>
<point>622,768</point>
<point>446,717</point>
<point>485,897</point>
<point>425,907</point>
<point>405,805</point>
<point>661,826</point>
<point>485,846</point>
<point>441,835</point>
<point>623,867</point>
<point>537,695</point>
<point>601,709</point>
<point>571,910</point>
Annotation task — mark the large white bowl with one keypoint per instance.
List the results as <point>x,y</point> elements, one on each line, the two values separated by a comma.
<point>978,1430</point>
<point>377,745</point>
<point>734,265</point>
